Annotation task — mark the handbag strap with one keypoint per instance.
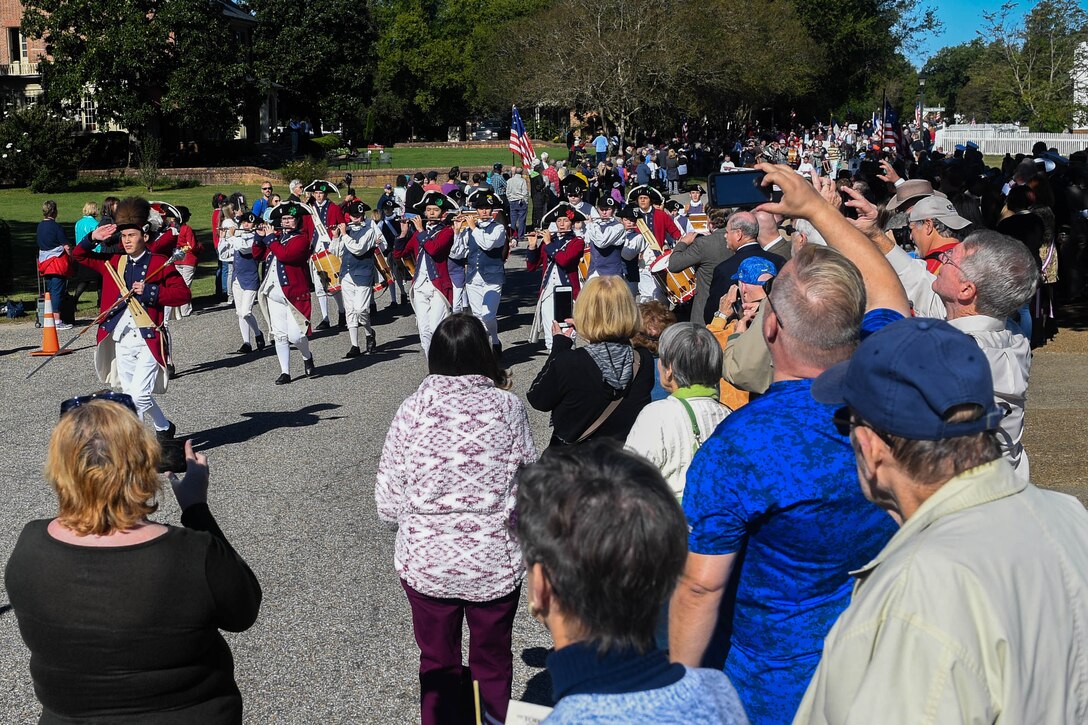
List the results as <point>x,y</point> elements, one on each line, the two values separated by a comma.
<point>608,411</point>
<point>694,423</point>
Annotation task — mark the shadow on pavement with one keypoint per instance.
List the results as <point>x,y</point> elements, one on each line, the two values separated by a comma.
<point>538,689</point>
<point>257,424</point>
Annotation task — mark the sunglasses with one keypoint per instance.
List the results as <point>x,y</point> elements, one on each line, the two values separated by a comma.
<point>767,286</point>
<point>266,188</point>
<point>120,398</point>
<point>845,421</point>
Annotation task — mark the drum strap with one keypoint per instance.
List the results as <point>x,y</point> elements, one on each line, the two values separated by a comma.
<point>607,412</point>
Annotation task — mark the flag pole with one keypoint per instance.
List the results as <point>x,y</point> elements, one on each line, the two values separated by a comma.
<point>883,115</point>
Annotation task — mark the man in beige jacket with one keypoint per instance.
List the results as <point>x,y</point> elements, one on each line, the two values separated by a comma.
<point>976,611</point>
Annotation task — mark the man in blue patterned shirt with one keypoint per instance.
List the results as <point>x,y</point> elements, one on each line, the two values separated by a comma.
<point>775,485</point>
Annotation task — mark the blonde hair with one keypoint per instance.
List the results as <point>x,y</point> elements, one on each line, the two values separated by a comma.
<point>90,208</point>
<point>606,310</point>
<point>102,463</point>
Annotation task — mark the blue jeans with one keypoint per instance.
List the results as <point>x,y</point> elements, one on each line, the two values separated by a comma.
<point>56,286</point>
<point>1023,318</point>
<point>601,155</point>
<point>222,280</point>
<point>519,210</point>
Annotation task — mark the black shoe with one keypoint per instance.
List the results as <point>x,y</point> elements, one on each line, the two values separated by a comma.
<point>309,368</point>
<point>260,342</point>
<point>323,325</point>
<point>168,434</point>
<point>497,349</point>
<point>353,352</point>
<point>245,349</point>
<point>342,321</point>
<point>283,379</point>
<point>170,372</point>
<point>371,345</point>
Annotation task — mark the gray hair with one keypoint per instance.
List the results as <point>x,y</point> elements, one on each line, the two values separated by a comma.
<point>293,184</point>
<point>744,222</point>
<point>692,353</point>
<point>1004,272</point>
<point>804,226</point>
<point>819,297</point>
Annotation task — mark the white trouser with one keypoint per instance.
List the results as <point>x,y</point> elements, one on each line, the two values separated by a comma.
<point>282,320</point>
<point>243,307</point>
<point>137,368</point>
<point>483,301</point>
<point>357,299</point>
<point>176,313</point>
<point>460,300</point>
<point>230,280</point>
<point>431,308</point>
<point>323,296</point>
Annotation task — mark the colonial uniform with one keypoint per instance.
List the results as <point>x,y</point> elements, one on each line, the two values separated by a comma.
<point>483,247</point>
<point>658,221</point>
<point>330,216</point>
<point>559,260</point>
<point>389,231</point>
<point>576,186</point>
<point>431,292</point>
<point>246,280</point>
<point>132,351</point>
<point>284,295</point>
<point>358,273</point>
<point>606,239</point>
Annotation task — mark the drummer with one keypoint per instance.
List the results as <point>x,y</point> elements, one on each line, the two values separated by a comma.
<point>605,241</point>
<point>695,206</point>
<point>642,254</point>
<point>676,210</point>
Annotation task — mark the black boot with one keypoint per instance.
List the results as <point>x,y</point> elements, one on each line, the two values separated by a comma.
<point>168,434</point>
<point>309,368</point>
<point>497,349</point>
<point>323,325</point>
<point>260,342</point>
<point>245,349</point>
<point>342,321</point>
<point>283,379</point>
<point>353,352</point>
<point>371,345</point>
<point>171,373</point>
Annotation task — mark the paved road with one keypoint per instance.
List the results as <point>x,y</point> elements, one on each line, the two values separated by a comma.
<point>292,486</point>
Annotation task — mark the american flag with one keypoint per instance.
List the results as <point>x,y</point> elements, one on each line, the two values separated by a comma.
<point>892,138</point>
<point>519,140</point>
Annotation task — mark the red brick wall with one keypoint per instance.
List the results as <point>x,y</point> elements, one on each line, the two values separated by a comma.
<point>11,16</point>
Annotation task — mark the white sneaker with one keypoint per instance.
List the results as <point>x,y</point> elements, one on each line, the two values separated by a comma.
<point>63,326</point>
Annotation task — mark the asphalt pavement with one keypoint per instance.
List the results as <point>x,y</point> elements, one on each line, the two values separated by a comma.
<point>292,486</point>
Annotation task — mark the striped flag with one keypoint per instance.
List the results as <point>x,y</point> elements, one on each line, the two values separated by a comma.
<point>519,140</point>
<point>892,131</point>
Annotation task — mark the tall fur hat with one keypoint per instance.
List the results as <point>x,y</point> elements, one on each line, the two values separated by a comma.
<point>132,213</point>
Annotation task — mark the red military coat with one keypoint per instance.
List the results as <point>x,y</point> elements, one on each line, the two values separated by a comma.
<point>436,242</point>
<point>293,252</point>
<point>564,253</point>
<point>164,287</point>
<point>165,243</point>
<point>662,226</point>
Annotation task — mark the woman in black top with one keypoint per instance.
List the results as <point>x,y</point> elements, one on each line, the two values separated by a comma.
<point>122,615</point>
<point>578,385</point>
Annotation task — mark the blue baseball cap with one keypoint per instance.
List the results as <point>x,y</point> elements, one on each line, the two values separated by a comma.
<point>906,378</point>
<point>751,269</point>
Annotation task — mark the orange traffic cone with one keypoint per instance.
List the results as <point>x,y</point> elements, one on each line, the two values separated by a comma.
<point>50,343</point>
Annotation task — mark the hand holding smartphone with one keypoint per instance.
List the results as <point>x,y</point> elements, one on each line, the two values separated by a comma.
<point>563,306</point>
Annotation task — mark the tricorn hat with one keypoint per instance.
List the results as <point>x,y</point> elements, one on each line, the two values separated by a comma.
<point>607,202</point>
<point>357,208</point>
<point>325,186</point>
<point>645,190</point>
<point>132,213</point>
<point>436,198</point>
<point>287,208</point>
<point>574,185</point>
<point>563,209</point>
<point>630,212</point>
<point>486,200</point>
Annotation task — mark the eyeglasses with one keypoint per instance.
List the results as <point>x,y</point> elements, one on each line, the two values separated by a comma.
<point>120,398</point>
<point>266,188</point>
<point>767,291</point>
<point>845,421</point>
<point>945,257</point>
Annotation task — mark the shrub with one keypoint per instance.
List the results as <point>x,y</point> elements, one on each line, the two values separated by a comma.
<point>38,149</point>
<point>186,183</point>
<point>328,142</point>
<point>306,169</point>
<point>148,173</point>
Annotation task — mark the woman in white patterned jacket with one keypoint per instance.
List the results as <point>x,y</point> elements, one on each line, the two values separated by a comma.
<point>447,482</point>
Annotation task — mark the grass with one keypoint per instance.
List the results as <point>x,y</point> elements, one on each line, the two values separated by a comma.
<point>441,159</point>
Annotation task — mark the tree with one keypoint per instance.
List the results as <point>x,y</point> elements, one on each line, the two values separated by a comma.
<point>1029,68</point>
<point>949,71</point>
<point>38,149</point>
<point>149,65</point>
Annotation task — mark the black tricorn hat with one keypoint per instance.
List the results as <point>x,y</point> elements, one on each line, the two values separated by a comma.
<point>574,185</point>
<point>607,202</point>
<point>287,208</point>
<point>630,212</point>
<point>645,190</point>
<point>357,208</point>
<point>564,209</point>
<point>437,198</point>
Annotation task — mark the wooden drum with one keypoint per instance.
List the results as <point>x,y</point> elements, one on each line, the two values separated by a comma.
<point>679,286</point>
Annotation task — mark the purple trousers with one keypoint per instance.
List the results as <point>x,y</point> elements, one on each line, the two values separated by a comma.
<point>445,692</point>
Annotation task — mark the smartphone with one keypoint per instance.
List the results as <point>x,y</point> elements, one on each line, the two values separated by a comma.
<point>563,305</point>
<point>742,187</point>
<point>870,169</point>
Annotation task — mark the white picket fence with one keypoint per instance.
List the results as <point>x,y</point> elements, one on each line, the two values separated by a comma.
<point>1000,140</point>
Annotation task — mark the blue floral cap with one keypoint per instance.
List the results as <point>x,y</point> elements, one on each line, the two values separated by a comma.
<point>753,268</point>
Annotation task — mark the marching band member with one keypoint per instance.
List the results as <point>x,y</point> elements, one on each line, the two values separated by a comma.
<point>132,351</point>
<point>358,272</point>
<point>676,210</point>
<point>431,290</point>
<point>695,206</point>
<point>660,223</point>
<point>284,295</point>
<point>558,255</point>
<point>642,254</point>
<point>392,227</point>
<point>607,237</point>
<point>575,188</point>
<point>482,239</point>
<point>333,220</point>
<point>455,263</point>
<point>246,279</point>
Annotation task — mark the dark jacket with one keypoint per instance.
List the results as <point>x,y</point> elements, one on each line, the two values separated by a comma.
<point>724,272</point>
<point>571,387</point>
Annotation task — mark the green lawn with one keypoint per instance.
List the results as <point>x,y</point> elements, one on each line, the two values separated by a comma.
<point>441,159</point>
